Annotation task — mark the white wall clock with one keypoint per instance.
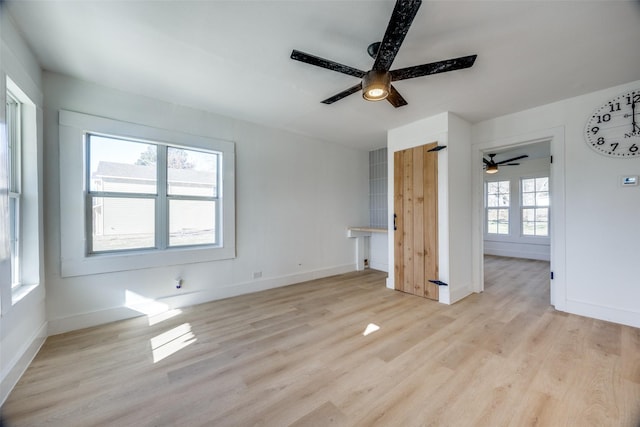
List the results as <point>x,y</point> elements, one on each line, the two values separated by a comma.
<point>614,128</point>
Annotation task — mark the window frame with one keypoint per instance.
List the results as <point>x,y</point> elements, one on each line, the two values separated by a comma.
<point>497,208</point>
<point>535,206</point>
<point>76,260</point>
<point>24,197</point>
<point>14,142</point>
<point>162,197</point>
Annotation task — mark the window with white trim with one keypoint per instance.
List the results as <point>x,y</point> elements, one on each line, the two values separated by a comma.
<point>535,206</point>
<point>497,203</point>
<point>14,126</point>
<point>134,196</point>
<point>23,178</point>
<point>173,192</point>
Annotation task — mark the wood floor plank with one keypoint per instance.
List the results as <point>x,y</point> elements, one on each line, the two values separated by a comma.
<point>299,355</point>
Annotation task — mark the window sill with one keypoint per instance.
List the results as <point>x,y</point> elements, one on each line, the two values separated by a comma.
<point>21,291</point>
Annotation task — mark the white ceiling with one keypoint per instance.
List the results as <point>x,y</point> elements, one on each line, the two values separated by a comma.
<point>232,57</point>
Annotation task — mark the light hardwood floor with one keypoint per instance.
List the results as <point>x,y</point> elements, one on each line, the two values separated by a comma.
<point>297,356</point>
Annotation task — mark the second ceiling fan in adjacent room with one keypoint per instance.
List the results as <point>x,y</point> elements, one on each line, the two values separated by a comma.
<point>491,166</point>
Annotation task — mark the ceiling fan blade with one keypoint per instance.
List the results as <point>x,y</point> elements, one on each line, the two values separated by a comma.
<point>486,162</point>
<point>433,68</point>
<point>395,98</point>
<point>511,164</point>
<point>511,160</point>
<point>325,63</point>
<point>343,94</point>
<point>403,13</point>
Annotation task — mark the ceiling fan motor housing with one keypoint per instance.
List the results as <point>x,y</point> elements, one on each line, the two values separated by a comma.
<point>376,85</point>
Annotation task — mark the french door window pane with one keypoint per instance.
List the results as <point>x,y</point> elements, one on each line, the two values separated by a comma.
<point>191,222</point>
<point>122,223</point>
<point>122,166</point>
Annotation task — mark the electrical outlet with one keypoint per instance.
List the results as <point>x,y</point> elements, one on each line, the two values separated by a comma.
<point>257,274</point>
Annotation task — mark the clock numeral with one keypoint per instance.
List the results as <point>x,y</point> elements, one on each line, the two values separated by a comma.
<point>636,98</point>
<point>633,148</point>
<point>600,141</point>
<point>604,118</point>
<point>595,130</point>
<point>614,145</point>
<point>614,107</point>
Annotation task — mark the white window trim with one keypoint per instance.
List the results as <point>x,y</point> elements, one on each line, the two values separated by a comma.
<point>14,134</point>
<point>29,220</point>
<point>533,237</point>
<point>74,259</point>
<point>487,208</point>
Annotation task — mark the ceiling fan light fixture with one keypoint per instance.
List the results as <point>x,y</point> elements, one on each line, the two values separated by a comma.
<point>376,85</point>
<point>492,169</point>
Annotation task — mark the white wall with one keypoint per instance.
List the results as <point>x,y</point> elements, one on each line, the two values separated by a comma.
<point>600,232</point>
<point>514,244</point>
<point>454,197</point>
<point>295,198</point>
<point>23,325</point>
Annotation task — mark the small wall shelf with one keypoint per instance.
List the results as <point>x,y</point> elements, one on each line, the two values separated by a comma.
<point>360,233</point>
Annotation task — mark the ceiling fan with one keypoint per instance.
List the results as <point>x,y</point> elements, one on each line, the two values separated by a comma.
<point>376,83</point>
<point>491,166</point>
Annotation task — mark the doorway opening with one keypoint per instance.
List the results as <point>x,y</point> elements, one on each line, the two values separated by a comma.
<point>516,218</point>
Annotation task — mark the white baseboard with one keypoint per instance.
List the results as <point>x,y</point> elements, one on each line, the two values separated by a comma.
<point>94,318</point>
<point>610,314</point>
<point>379,266</point>
<point>14,369</point>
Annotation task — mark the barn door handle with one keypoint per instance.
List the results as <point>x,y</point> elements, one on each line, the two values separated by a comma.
<point>394,222</point>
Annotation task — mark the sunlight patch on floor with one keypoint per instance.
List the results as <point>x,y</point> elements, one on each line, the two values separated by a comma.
<point>371,328</point>
<point>172,341</point>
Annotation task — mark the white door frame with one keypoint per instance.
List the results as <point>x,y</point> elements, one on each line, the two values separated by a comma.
<point>555,136</point>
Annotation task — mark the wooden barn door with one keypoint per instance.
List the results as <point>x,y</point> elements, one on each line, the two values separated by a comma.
<point>416,221</point>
